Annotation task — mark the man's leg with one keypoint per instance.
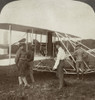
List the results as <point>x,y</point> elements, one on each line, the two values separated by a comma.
<point>19,72</point>
<point>61,74</point>
<point>31,76</point>
<point>82,68</point>
<point>20,80</point>
<point>25,81</point>
<point>77,69</point>
<point>31,64</point>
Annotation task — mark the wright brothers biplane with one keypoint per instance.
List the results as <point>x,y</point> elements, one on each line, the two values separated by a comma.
<point>45,52</point>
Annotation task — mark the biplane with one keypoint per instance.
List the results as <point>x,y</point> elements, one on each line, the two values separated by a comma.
<point>45,52</point>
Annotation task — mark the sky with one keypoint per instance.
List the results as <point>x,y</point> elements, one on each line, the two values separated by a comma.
<point>65,16</point>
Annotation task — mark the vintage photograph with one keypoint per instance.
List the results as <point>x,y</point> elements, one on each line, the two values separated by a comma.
<point>47,49</point>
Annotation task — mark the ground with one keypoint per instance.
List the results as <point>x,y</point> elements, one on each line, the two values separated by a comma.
<point>45,87</point>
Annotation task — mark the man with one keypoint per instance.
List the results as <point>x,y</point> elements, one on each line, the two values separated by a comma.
<point>22,64</point>
<point>79,55</point>
<point>59,64</point>
<point>30,57</point>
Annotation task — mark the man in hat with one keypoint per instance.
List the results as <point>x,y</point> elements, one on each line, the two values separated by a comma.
<point>59,64</point>
<point>79,55</point>
<point>22,64</point>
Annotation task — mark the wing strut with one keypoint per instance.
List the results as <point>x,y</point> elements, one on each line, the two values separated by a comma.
<point>10,34</point>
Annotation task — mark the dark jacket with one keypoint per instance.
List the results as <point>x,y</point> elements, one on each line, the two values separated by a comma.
<point>30,55</point>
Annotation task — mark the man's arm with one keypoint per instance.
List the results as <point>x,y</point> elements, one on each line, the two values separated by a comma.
<point>75,53</point>
<point>17,56</point>
<point>57,61</point>
<point>84,54</point>
<point>56,64</point>
<point>30,56</point>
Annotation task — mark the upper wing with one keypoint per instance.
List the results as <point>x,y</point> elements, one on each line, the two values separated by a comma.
<point>4,3</point>
<point>89,2</point>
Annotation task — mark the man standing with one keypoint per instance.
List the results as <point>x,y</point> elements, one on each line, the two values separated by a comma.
<point>79,54</point>
<point>59,64</point>
<point>22,65</point>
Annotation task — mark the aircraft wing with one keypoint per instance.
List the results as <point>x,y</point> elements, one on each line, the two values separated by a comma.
<point>23,28</point>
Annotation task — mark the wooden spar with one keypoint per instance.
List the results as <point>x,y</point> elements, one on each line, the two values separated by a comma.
<point>10,33</point>
<point>68,40</point>
<point>53,45</point>
<point>67,51</point>
<point>46,42</point>
<point>82,45</point>
<point>74,48</point>
<point>27,41</point>
<point>32,37</point>
<point>65,47</point>
<point>86,47</point>
<point>85,50</point>
<point>73,43</point>
<point>88,53</point>
<point>35,42</point>
<point>40,41</point>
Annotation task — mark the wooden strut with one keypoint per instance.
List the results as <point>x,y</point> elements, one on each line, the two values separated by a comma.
<point>66,49</point>
<point>68,40</point>
<point>65,46</point>
<point>53,45</point>
<point>86,47</point>
<point>85,50</point>
<point>46,43</point>
<point>26,41</point>
<point>35,42</point>
<point>19,39</point>
<point>40,41</point>
<point>84,61</point>
<point>74,47</point>
<point>10,33</point>
<point>32,37</point>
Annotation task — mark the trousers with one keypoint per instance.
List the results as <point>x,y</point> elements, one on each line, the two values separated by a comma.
<point>31,65</point>
<point>60,73</point>
<point>80,65</point>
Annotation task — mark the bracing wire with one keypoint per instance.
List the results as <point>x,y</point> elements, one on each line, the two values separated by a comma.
<point>65,46</point>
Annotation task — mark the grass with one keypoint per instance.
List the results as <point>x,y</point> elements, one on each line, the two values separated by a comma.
<point>45,87</point>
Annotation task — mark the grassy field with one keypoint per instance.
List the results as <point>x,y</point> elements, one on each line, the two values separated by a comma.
<point>45,87</point>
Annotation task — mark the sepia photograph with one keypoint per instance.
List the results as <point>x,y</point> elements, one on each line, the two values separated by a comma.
<point>47,49</point>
